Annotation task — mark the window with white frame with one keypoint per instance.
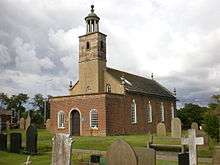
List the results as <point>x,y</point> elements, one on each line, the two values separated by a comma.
<point>161,112</point>
<point>94,121</point>
<point>150,115</point>
<point>172,110</point>
<point>60,119</point>
<point>133,112</point>
<point>108,88</point>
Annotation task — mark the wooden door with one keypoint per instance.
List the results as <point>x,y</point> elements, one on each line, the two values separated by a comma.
<point>75,123</point>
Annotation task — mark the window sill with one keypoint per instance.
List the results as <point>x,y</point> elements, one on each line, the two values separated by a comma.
<point>61,128</point>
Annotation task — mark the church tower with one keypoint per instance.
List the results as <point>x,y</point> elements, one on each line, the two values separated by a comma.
<point>92,56</point>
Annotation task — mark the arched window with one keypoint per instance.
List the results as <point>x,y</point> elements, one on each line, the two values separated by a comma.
<point>172,110</point>
<point>94,120</point>
<point>161,112</point>
<point>133,112</point>
<point>87,45</point>
<point>108,88</point>
<point>150,115</point>
<point>60,119</point>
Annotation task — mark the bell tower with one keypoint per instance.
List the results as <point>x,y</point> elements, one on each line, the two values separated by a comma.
<point>92,56</point>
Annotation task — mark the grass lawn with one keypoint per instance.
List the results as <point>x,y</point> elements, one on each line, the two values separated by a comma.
<point>88,143</point>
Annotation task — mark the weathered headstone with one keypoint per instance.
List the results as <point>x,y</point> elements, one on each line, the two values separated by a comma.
<point>28,121</point>
<point>146,156</point>
<point>48,124</point>
<point>216,156</point>
<point>22,123</point>
<point>201,133</point>
<point>121,153</point>
<point>31,139</point>
<point>192,141</point>
<point>176,128</point>
<point>15,142</point>
<point>195,126</point>
<point>62,149</point>
<point>3,142</point>
<point>161,129</point>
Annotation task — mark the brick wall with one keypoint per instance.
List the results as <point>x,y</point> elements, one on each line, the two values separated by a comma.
<point>84,104</point>
<point>114,113</point>
<point>119,114</point>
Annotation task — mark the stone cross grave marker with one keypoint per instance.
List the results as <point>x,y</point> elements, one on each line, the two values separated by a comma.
<point>28,121</point>
<point>121,153</point>
<point>28,161</point>
<point>31,139</point>
<point>161,129</point>
<point>176,128</point>
<point>22,123</point>
<point>62,149</point>
<point>192,141</point>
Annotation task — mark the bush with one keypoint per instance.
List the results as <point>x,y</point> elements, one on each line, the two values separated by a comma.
<point>212,126</point>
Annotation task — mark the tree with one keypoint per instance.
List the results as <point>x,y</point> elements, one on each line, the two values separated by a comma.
<point>39,104</point>
<point>191,113</point>
<point>4,100</point>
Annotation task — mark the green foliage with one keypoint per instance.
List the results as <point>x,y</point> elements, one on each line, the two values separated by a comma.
<point>191,113</point>
<point>212,126</point>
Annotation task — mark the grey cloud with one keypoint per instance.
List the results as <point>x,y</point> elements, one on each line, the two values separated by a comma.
<point>177,40</point>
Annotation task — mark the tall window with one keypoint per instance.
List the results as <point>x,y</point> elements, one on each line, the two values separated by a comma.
<point>172,110</point>
<point>94,121</point>
<point>60,119</point>
<point>133,112</point>
<point>108,88</point>
<point>161,112</point>
<point>150,118</point>
<point>87,45</point>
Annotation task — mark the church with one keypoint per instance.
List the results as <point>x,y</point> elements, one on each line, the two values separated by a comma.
<point>105,101</point>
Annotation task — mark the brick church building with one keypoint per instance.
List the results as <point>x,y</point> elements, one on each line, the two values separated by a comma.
<point>105,101</point>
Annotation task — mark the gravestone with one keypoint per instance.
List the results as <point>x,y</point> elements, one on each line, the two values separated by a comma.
<point>176,128</point>
<point>3,142</point>
<point>22,123</point>
<point>62,149</point>
<point>28,121</point>
<point>1,124</point>
<point>216,156</point>
<point>31,139</point>
<point>161,129</point>
<point>201,133</point>
<point>15,142</point>
<point>121,153</point>
<point>48,124</point>
<point>146,156</point>
<point>195,126</point>
<point>192,141</point>
<point>28,161</point>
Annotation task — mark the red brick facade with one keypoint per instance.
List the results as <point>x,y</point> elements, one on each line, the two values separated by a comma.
<point>114,113</point>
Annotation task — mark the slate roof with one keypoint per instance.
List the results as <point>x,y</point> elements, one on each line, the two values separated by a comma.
<point>138,84</point>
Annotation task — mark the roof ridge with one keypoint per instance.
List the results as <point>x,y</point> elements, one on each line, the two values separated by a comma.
<point>130,73</point>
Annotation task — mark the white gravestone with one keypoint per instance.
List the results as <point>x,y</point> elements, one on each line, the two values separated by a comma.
<point>192,141</point>
<point>62,149</point>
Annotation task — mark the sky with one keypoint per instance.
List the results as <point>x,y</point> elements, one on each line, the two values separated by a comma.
<point>177,40</point>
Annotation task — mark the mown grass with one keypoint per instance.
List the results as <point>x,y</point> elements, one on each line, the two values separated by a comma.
<point>88,143</point>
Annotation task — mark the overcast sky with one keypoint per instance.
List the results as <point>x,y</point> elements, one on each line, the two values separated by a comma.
<point>177,40</point>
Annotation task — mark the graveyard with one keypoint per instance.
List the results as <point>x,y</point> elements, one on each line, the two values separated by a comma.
<point>84,146</point>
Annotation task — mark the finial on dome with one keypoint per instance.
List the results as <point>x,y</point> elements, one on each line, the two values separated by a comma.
<point>92,8</point>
